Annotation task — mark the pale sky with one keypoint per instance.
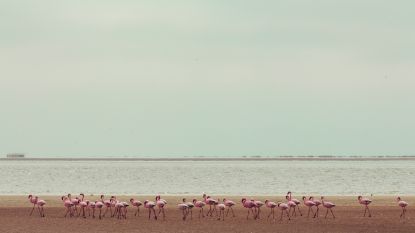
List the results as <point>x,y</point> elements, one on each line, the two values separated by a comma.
<point>207,78</point>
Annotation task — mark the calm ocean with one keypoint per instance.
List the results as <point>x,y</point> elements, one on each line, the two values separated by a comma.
<point>237,177</point>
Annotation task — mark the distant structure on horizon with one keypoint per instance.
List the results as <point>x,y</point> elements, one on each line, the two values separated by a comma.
<point>15,155</point>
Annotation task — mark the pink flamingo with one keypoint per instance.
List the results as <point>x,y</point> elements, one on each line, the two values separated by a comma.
<point>68,205</point>
<point>200,205</point>
<point>316,203</point>
<point>249,205</point>
<point>329,206</point>
<point>39,203</point>
<point>75,203</point>
<point>283,207</point>
<point>403,205</point>
<point>309,204</point>
<point>137,204</point>
<point>83,204</point>
<point>257,208</point>
<point>161,203</point>
<point>150,206</point>
<point>365,202</point>
<point>108,205</point>
<point>291,205</point>
<point>221,208</point>
<point>229,204</point>
<point>33,201</point>
<point>99,205</point>
<point>190,206</point>
<point>92,206</point>
<point>297,202</point>
<point>124,209</point>
<point>184,208</point>
<point>272,206</point>
<point>211,202</point>
<point>118,209</point>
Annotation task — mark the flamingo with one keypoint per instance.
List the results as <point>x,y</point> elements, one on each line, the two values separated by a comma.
<point>150,206</point>
<point>272,206</point>
<point>249,205</point>
<point>291,205</point>
<point>118,209</point>
<point>99,205</point>
<point>136,204</point>
<point>257,207</point>
<point>221,208</point>
<point>309,204</point>
<point>297,202</point>
<point>283,207</point>
<point>229,204</point>
<point>75,202</point>
<point>365,202</point>
<point>83,204</point>
<point>190,206</point>
<point>160,204</point>
<point>33,201</point>
<point>403,205</point>
<point>184,208</point>
<point>68,205</point>
<point>211,202</point>
<point>108,205</point>
<point>40,204</point>
<point>329,206</point>
<point>92,206</point>
<point>316,203</point>
<point>124,209</point>
<point>200,205</point>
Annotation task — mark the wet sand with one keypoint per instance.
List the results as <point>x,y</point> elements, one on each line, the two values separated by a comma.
<point>14,217</point>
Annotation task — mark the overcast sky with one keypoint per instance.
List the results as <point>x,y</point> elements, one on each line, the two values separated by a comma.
<point>218,78</point>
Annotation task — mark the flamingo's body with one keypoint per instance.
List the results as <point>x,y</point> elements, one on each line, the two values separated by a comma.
<point>366,202</point>
<point>37,202</point>
<point>328,206</point>
<point>283,207</point>
<point>309,204</point>
<point>136,204</point>
<point>317,203</point>
<point>258,205</point>
<point>297,204</point>
<point>150,206</point>
<point>221,208</point>
<point>68,205</point>
<point>200,205</point>
<point>212,205</point>
<point>229,204</point>
<point>272,206</point>
<point>161,203</point>
<point>249,205</point>
<point>99,205</point>
<point>403,205</point>
<point>184,208</point>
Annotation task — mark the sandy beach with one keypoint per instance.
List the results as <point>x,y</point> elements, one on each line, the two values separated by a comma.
<point>14,217</point>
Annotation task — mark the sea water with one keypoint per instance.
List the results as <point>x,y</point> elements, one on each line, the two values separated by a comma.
<point>238,177</point>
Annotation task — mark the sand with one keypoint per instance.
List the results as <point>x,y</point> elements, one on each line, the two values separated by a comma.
<point>14,217</point>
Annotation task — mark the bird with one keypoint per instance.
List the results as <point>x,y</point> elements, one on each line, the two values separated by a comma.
<point>229,204</point>
<point>83,204</point>
<point>328,206</point>
<point>40,204</point>
<point>184,208</point>
<point>92,206</point>
<point>200,205</point>
<point>283,207</point>
<point>161,203</point>
<point>221,208</point>
<point>107,204</point>
<point>68,205</point>
<point>33,201</point>
<point>249,205</point>
<point>190,206</point>
<point>99,205</point>
<point>309,204</point>
<point>291,205</point>
<point>137,204</point>
<point>365,202</point>
<point>257,208</point>
<point>150,206</point>
<point>316,203</point>
<point>403,205</point>
<point>272,206</point>
<point>212,205</point>
<point>297,202</point>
